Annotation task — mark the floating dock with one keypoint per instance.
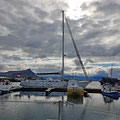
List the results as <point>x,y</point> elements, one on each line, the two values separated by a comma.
<point>93,87</point>
<point>49,90</point>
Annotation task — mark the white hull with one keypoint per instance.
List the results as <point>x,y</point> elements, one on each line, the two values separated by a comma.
<point>43,84</point>
<point>83,83</point>
<point>5,87</point>
<point>76,88</point>
<point>75,84</point>
<point>51,83</point>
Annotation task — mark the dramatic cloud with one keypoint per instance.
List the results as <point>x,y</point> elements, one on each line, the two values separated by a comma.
<point>30,30</point>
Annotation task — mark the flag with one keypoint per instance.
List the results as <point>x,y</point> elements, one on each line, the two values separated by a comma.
<point>18,75</point>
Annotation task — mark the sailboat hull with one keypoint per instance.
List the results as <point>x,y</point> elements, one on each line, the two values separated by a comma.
<point>43,84</point>
<point>113,95</point>
<point>5,87</point>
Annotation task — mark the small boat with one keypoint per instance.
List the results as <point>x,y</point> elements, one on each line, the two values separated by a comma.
<point>114,95</point>
<point>118,86</point>
<point>109,91</point>
<point>76,88</point>
<point>5,85</point>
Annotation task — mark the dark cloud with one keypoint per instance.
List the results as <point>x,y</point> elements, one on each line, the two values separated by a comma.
<point>31,28</point>
<point>41,14</point>
<point>35,28</point>
<point>3,67</point>
<point>108,8</point>
<point>48,68</point>
<point>98,29</point>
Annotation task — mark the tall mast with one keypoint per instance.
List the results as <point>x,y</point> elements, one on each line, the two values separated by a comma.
<point>62,72</point>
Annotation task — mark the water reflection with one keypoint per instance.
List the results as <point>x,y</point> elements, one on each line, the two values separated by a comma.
<point>71,99</point>
<point>29,105</point>
<point>52,94</point>
<point>60,110</point>
<point>32,93</point>
<point>39,96</point>
<point>4,97</point>
<point>78,100</point>
<point>107,99</point>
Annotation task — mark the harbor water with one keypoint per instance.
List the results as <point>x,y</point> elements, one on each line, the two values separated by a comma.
<point>36,106</point>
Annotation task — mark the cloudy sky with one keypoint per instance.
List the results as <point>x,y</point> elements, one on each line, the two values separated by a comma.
<point>30,35</point>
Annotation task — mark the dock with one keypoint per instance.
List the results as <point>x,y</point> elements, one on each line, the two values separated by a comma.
<point>15,88</point>
<point>48,91</point>
<point>93,87</point>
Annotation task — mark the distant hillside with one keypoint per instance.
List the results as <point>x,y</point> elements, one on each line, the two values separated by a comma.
<point>14,74</point>
<point>69,77</point>
<point>30,74</point>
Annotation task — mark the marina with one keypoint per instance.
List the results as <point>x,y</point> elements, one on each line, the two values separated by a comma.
<point>93,87</point>
<point>59,60</point>
<point>74,87</point>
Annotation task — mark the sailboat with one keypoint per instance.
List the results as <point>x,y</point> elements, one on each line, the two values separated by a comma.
<point>110,86</point>
<point>60,83</point>
<point>49,83</point>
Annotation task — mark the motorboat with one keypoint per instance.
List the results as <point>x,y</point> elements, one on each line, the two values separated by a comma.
<point>5,85</point>
<point>76,88</point>
<point>110,91</point>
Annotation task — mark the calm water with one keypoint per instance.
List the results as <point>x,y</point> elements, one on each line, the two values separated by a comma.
<point>35,106</point>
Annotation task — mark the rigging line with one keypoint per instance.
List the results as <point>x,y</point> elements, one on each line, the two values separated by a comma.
<point>60,55</point>
<point>77,52</point>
